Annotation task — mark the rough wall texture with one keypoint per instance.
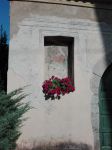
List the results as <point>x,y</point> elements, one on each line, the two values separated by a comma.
<point>76,116</point>
<point>22,10</point>
<point>56,61</point>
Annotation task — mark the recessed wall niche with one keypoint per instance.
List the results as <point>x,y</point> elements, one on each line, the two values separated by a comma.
<point>59,56</point>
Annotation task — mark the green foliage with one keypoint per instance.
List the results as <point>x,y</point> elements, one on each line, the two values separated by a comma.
<point>11,112</point>
<point>3,36</point>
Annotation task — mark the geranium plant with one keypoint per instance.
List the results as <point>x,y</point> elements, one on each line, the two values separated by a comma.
<point>55,87</point>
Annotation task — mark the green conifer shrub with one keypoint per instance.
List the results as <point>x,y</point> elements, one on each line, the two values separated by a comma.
<point>11,117</point>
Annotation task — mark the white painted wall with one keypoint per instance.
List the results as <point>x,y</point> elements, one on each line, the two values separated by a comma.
<point>70,117</point>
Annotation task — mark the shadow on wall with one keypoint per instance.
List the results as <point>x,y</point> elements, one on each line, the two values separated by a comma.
<point>103,90</point>
<point>56,146</point>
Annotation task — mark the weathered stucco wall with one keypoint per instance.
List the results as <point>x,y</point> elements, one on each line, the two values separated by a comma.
<point>76,116</point>
<point>22,10</point>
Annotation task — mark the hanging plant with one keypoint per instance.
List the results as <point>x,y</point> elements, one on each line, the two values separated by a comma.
<point>55,87</point>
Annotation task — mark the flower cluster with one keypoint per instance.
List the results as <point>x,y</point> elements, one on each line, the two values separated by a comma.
<point>55,87</point>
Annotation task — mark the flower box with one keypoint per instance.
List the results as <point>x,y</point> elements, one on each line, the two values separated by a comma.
<point>55,87</point>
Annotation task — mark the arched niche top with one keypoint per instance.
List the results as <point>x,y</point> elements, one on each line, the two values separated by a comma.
<point>102,65</point>
<point>98,72</point>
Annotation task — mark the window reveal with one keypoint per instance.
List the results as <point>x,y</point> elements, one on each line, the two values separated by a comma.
<point>59,56</point>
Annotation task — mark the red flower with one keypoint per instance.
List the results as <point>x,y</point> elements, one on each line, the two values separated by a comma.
<point>55,87</point>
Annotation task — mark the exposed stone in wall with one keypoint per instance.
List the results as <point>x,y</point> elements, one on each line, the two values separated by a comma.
<point>98,71</point>
<point>67,145</point>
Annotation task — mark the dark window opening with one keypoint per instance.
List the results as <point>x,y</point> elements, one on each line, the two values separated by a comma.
<point>63,41</point>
